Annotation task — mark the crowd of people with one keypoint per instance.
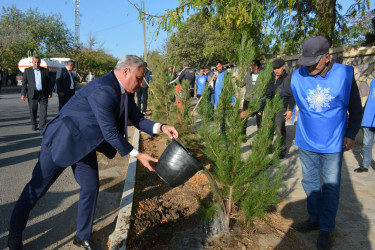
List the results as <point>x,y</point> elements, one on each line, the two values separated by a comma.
<point>96,118</point>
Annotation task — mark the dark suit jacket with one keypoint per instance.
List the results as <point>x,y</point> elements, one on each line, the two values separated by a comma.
<point>63,81</point>
<point>28,83</point>
<point>91,120</point>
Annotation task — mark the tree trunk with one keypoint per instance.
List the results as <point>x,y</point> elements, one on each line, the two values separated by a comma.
<point>326,14</point>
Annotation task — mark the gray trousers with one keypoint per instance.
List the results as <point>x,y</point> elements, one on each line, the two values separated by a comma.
<point>33,107</point>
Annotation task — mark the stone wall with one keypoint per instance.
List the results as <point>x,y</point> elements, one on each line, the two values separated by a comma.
<point>362,59</point>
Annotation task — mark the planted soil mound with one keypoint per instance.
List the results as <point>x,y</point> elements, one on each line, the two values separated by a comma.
<point>168,218</point>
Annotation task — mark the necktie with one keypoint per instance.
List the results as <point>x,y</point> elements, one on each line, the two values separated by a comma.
<point>126,115</point>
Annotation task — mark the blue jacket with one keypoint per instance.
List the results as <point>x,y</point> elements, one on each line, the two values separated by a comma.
<point>369,114</point>
<point>323,108</point>
<point>92,120</point>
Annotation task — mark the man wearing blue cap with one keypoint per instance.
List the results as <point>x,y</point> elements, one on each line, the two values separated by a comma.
<point>325,93</point>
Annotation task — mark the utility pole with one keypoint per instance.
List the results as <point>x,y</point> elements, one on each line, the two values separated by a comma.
<point>144,33</point>
<point>77,20</point>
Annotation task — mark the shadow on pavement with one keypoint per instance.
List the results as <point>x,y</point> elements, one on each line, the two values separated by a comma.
<point>56,228</point>
<point>20,142</point>
<point>352,225</point>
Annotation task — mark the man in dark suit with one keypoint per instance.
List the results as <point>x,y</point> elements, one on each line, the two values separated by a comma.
<point>65,83</point>
<point>95,119</point>
<point>37,86</point>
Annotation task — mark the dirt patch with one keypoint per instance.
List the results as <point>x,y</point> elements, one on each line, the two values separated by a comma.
<point>168,218</point>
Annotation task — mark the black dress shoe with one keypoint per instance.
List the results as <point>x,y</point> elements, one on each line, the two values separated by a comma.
<point>307,226</point>
<point>324,240</point>
<point>86,244</point>
<point>361,169</point>
<point>15,241</point>
<point>34,128</point>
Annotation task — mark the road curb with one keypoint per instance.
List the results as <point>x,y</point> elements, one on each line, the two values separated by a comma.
<point>119,236</point>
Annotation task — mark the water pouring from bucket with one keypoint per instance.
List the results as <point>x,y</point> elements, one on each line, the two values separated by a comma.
<point>177,165</point>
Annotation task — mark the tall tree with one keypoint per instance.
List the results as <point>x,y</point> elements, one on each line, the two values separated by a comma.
<point>93,57</point>
<point>21,32</point>
<point>201,42</point>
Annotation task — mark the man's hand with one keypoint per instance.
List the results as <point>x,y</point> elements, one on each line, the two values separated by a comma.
<point>169,130</point>
<point>23,98</point>
<point>288,114</point>
<point>49,96</point>
<point>61,94</point>
<point>347,144</point>
<point>214,77</point>
<point>147,161</point>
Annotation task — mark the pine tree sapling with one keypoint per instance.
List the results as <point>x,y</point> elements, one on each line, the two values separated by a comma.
<point>162,104</point>
<point>243,181</point>
<point>185,122</point>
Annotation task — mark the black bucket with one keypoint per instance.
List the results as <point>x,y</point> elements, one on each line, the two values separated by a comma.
<point>176,165</point>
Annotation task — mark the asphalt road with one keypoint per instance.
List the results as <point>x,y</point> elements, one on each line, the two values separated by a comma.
<point>52,222</point>
<point>50,225</point>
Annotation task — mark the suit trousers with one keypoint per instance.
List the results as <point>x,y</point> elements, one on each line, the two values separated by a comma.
<point>64,99</point>
<point>44,175</point>
<point>33,107</point>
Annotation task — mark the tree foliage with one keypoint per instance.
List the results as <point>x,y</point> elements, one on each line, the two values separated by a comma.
<point>370,35</point>
<point>20,32</point>
<point>93,59</point>
<point>201,42</point>
<point>163,106</point>
<point>274,25</point>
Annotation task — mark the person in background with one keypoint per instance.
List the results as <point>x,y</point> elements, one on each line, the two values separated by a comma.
<point>65,83</point>
<point>94,120</point>
<point>36,85</point>
<point>211,87</point>
<point>249,82</point>
<point>186,74</point>
<point>278,76</point>
<point>219,81</point>
<point>368,126</point>
<point>90,77</point>
<point>171,73</point>
<point>201,81</point>
<point>142,92</point>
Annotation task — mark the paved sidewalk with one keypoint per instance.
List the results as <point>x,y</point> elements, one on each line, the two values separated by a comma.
<point>355,221</point>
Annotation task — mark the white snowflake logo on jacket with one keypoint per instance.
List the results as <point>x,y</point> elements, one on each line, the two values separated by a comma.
<point>319,98</point>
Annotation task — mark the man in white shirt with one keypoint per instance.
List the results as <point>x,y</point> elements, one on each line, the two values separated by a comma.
<point>37,87</point>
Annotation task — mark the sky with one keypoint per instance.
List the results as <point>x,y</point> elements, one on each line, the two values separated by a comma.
<point>114,23</point>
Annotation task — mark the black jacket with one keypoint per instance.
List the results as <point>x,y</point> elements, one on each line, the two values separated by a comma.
<point>28,83</point>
